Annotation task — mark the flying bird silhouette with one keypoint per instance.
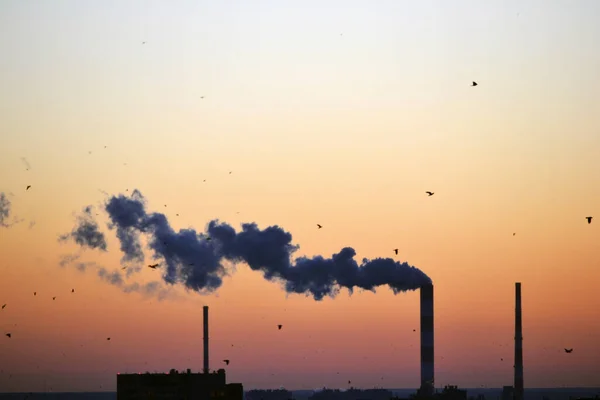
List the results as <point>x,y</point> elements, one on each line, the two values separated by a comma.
<point>474,83</point>
<point>3,305</point>
<point>153,266</point>
<point>28,186</point>
<point>226,362</point>
<point>589,219</point>
<point>396,251</point>
<point>568,350</point>
<point>8,335</point>
<point>430,193</point>
<point>35,293</point>
<point>54,298</point>
<point>279,327</point>
<point>72,290</point>
<point>319,226</point>
<point>107,338</point>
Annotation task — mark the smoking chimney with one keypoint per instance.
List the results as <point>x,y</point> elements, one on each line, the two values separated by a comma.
<point>427,381</point>
<point>206,370</point>
<point>518,394</point>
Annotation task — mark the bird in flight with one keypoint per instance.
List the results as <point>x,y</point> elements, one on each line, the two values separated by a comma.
<point>153,266</point>
<point>396,251</point>
<point>430,193</point>
<point>3,305</point>
<point>568,350</point>
<point>279,327</point>
<point>107,338</point>
<point>54,298</point>
<point>474,83</point>
<point>208,238</point>
<point>123,268</point>
<point>514,233</point>
<point>319,226</point>
<point>589,219</point>
<point>143,42</point>
<point>8,335</point>
<point>226,362</point>
<point>28,186</point>
<point>35,293</point>
<point>72,290</point>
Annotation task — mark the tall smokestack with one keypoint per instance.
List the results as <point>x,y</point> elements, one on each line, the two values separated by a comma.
<point>427,376</point>
<point>518,345</point>
<point>206,370</point>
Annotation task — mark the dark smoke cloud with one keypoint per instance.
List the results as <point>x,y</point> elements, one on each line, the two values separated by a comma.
<point>197,262</point>
<point>87,232</point>
<point>115,278</point>
<point>69,259</point>
<point>4,210</point>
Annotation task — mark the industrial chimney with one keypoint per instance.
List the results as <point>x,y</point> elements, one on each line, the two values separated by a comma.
<point>206,370</point>
<point>427,376</point>
<point>518,393</point>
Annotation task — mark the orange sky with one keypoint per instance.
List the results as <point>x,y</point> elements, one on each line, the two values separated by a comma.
<point>346,131</point>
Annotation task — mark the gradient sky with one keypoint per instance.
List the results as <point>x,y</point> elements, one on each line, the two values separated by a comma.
<point>341,113</point>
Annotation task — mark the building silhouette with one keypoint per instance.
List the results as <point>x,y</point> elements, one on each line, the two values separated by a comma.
<point>508,393</point>
<point>176,385</point>
<point>269,394</point>
<point>351,394</point>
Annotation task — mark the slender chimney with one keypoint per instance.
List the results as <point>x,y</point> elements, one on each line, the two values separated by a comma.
<point>206,370</point>
<point>518,394</point>
<point>427,375</point>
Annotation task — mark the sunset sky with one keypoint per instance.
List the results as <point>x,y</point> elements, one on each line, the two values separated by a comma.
<point>339,113</point>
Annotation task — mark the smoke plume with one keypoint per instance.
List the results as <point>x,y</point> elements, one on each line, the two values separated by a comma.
<point>116,279</point>
<point>4,210</point>
<point>86,233</point>
<point>195,259</point>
